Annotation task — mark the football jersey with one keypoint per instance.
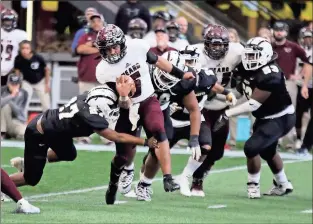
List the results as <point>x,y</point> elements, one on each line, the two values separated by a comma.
<point>299,66</point>
<point>74,119</point>
<point>178,44</point>
<point>268,78</point>
<point>134,65</point>
<point>205,80</point>
<point>222,69</point>
<point>9,48</point>
<point>150,37</point>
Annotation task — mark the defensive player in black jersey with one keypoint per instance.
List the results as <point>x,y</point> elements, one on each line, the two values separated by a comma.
<point>83,115</point>
<point>263,83</point>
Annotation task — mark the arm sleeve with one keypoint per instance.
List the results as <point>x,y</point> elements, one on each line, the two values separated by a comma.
<point>77,36</point>
<point>270,82</point>
<point>5,100</point>
<point>206,80</point>
<point>300,53</point>
<point>42,61</point>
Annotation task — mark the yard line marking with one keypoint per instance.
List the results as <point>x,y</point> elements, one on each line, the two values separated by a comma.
<point>309,211</point>
<point>84,190</point>
<point>5,166</point>
<point>217,206</point>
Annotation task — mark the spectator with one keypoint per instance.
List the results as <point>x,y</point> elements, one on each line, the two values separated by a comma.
<point>13,108</point>
<point>173,32</point>
<point>162,40</point>
<point>233,35</point>
<point>88,12</point>
<point>159,19</point>
<point>266,33</point>
<point>130,10</point>
<point>89,55</point>
<point>36,73</point>
<point>183,27</point>
<point>137,28</point>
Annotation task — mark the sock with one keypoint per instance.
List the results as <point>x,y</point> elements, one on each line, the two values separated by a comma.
<point>145,181</point>
<point>21,201</point>
<point>254,178</point>
<point>115,174</point>
<point>281,177</point>
<point>130,167</point>
<point>191,167</point>
<point>8,187</point>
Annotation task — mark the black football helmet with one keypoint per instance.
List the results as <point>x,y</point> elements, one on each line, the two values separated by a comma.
<point>172,30</point>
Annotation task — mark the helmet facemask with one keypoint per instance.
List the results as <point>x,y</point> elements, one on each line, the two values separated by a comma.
<point>163,80</point>
<point>252,58</point>
<point>216,49</point>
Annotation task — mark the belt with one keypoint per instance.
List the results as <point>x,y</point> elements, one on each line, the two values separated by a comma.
<point>39,127</point>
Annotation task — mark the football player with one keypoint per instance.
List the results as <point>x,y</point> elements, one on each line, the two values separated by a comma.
<point>173,33</point>
<point>141,108</point>
<point>137,28</point>
<point>222,56</point>
<point>55,129</point>
<point>263,83</point>
<point>10,39</point>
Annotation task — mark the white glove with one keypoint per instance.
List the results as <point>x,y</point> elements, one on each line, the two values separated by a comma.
<point>195,152</point>
<point>231,99</point>
<point>174,107</point>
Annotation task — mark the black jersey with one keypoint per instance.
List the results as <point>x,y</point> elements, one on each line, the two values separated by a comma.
<point>268,78</point>
<point>74,119</point>
<point>204,82</point>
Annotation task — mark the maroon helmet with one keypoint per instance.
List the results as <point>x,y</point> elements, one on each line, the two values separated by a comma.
<point>109,37</point>
<point>172,30</point>
<point>137,28</point>
<point>216,42</point>
<point>8,19</point>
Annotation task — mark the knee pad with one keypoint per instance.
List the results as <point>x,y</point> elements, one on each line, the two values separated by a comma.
<point>33,178</point>
<point>268,154</point>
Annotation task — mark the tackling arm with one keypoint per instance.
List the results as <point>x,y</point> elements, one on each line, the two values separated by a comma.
<point>191,103</point>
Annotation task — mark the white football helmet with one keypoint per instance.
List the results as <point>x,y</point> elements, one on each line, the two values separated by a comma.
<point>257,53</point>
<point>103,99</point>
<point>164,80</point>
<point>191,55</point>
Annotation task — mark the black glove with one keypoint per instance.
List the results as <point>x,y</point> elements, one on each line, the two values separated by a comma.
<point>221,121</point>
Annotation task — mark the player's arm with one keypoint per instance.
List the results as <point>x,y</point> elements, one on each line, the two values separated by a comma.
<point>230,97</point>
<point>125,138</point>
<point>124,86</point>
<point>166,66</point>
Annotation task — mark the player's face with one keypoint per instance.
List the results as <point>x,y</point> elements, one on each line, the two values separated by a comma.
<point>25,50</point>
<point>96,24</point>
<point>113,50</point>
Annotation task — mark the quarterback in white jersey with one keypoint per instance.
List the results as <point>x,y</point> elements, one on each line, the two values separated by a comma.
<point>10,39</point>
<point>131,59</point>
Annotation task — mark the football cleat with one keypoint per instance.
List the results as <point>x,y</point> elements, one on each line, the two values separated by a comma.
<point>170,185</point>
<point>253,190</point>
<point>281,189</point>
<point>110,195</point>
<point>184,186</point>
<point>125,181</point>
<point>142,192</point>
<point>25,207</point>
<point>197,188</point>
<point>18,163</point>
<point>149,188</point>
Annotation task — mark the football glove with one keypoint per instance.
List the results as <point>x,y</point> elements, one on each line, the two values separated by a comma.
<point>194,147</point>
<point>231,99</point>
<point>221,122</point>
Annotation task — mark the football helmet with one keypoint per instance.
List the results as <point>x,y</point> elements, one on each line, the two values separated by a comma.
<point>205,29</point>
<point>172,30</point>
<point>216,42</point>
<point>305,37</point>
<point>164,80</point>
<point>161,15</point>
<point>104,100</point>
<point>257,53</point>
<point>110,36</point>
<point>191,55</point>
<point>8,19</point>
<point>137,28</point>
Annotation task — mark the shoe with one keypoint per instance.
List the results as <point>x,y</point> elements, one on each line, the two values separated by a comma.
<point>25,207</point>
<point>149,188</point>
<point>18,163</point>
<point>110,195</point>
<point>303,152</point>
<point>125,181</point>
<point>298,144</point>
<point>280,190</point>
<point>170,185</point>
<point>253,190</point>
<point>142,192</point>
<point>184,186</point>
<point>4,198</point>
<point>197,188</point>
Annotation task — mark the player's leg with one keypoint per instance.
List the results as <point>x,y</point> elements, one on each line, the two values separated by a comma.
<point>301,107</point>
<point>8,187</point>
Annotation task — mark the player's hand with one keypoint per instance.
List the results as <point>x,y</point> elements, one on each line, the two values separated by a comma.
<point>124,85</point>
<point>152,143</point>
<point>231,99</point>
<point>194,147</point>
<point>188,75</point>
<point>174,107</point>
<point>221,122</point>
<point>305,92</point>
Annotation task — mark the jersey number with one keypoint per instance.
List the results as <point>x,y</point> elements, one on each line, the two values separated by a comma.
<point>164,98</point>
<point>69,109</point>
<point>268,69</point>
<point>247,90</point>
<point>8,50</point>
<point>136,77</point>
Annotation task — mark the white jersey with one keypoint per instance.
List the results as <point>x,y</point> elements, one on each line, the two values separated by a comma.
<point>133,64</point>
<point>299,66</point>
<point>127,37</point>
<point>9,48</point>
<point>150,37</point>
<point>222,69</point>
<point>178,44</point>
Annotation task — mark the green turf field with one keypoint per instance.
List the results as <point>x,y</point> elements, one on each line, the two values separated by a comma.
<point>223,187</point>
